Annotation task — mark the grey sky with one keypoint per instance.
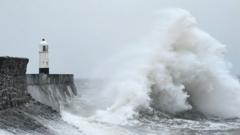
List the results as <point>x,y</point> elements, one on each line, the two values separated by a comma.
<point>82,33</point>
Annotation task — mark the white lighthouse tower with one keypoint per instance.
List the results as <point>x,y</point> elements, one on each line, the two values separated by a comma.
<point>43,58</point>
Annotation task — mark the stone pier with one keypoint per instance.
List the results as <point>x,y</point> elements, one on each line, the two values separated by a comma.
<point>52,89</point>
<point>13,86</point>
<point>18,88</point>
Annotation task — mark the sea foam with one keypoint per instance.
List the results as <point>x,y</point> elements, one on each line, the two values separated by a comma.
<point>177,68</point>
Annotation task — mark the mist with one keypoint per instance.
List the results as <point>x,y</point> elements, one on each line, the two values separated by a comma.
<point>83,35</point>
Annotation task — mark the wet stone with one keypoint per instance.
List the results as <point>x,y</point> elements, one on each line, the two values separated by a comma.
<point>13,85</point>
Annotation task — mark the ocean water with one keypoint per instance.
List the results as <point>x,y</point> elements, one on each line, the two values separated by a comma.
<point>175,81</point>
<point>83,110</point>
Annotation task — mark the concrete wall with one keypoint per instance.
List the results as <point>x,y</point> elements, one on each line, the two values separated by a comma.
<point>13,87</point>
<point>52,90</point>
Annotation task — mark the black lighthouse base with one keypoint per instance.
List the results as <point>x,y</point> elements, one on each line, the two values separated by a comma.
<point>43,70</point>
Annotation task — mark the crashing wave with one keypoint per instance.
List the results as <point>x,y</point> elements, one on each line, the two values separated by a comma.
<point>178,68</point>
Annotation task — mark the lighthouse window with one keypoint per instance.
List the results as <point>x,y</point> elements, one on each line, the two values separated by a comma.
<point>44,48</point>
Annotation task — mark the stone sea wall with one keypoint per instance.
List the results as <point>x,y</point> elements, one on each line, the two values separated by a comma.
<point>13,86</point>
<point>52,90</point>
<point>18,88</point>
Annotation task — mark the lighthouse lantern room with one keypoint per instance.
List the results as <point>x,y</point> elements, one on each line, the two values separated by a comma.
<point>43,58</point>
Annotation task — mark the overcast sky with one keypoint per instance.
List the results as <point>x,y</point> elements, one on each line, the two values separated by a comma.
<point>82,33</point>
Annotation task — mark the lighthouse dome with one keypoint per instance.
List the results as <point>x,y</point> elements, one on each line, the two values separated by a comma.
<point>43,42</point>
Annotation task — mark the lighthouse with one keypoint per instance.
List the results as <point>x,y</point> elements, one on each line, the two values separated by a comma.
<point>43,58</point>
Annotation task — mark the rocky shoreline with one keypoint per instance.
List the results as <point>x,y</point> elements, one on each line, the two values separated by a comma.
<point>34,118</point>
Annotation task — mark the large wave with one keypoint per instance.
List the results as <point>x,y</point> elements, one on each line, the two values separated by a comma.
<point>178,68</point>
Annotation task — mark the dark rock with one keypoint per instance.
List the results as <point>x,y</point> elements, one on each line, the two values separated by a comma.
<point>24,118</point>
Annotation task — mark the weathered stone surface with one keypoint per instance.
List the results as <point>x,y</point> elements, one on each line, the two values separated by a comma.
<point>53,79</point>
<point>53,89</point>
<point>23,119</point>
<point>13,86</point>
<point>13,65</point>
<point>19,112</point>
<point>35,118</point>
<point>16,86</point>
